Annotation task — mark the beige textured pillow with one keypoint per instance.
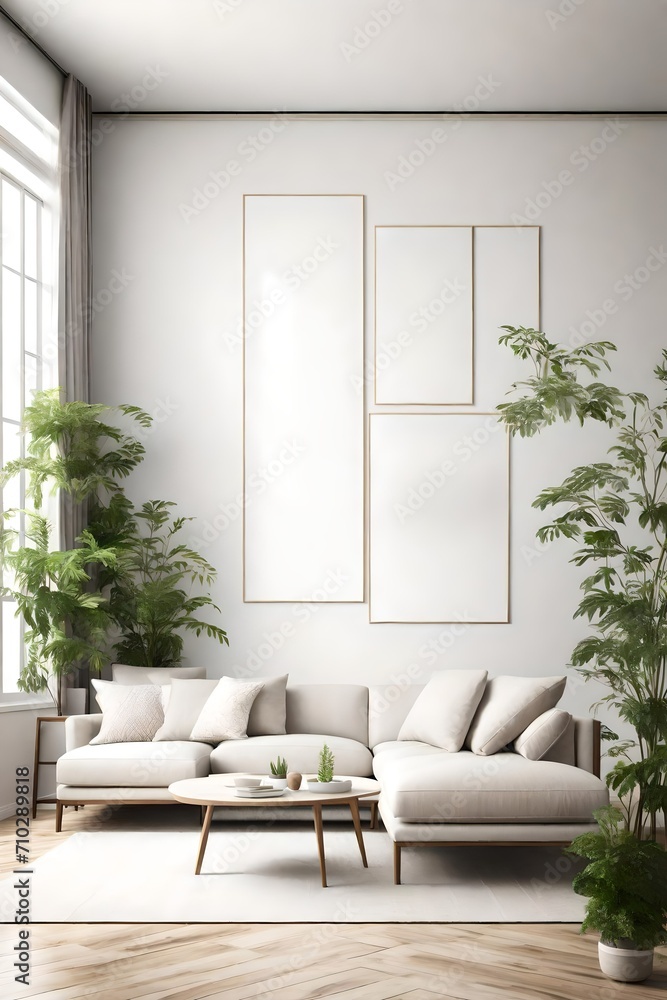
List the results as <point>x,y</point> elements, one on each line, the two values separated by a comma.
<point>442,713</point>
<point>226,712</point>
<point>536,741</point>
<point>184,701</point>
<point>132,713</point>
<point>269,709</point>
<point>508,706</point>
<point>123,673</point>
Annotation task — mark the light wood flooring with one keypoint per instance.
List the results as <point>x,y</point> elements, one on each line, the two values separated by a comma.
<point>299,962</point>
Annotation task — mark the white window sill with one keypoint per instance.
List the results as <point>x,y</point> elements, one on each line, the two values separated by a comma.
<point>27,706</point>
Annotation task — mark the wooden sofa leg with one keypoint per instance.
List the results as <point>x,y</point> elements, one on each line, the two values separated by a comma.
<point>59,817</point>
<point>397,864</point>
<point>374,816</point>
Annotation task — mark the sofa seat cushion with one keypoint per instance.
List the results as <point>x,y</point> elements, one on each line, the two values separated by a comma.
<point>301,751</point>
<point>133,765</point>
<point>386,754</point>
<point>504,788</point>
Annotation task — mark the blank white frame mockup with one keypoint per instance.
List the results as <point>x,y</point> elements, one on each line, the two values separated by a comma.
<point>303,412</point>
<point>507,293</point>
<point>424,315</point>
<point>439,518</point>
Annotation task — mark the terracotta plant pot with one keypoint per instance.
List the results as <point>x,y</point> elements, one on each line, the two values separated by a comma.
<point>625,965</point>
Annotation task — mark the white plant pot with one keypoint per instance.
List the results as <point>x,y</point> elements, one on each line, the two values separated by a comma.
<point>337,785</point>
<point>625,965</point>
<point>277,782</point>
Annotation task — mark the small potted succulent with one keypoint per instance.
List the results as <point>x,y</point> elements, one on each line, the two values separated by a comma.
<point>626,885</point>
<point>278,776</point>
<point>325,781</point>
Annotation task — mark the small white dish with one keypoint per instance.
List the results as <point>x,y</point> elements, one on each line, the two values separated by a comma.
<point>258,793</point>
<point>247,782</point>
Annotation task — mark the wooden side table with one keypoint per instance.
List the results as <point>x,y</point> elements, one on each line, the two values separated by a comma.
<point>48,747</point>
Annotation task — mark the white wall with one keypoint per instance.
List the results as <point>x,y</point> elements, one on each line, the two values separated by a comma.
<point>166,339</point>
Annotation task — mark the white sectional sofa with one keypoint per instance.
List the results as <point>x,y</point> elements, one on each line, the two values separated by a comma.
<point>429,796</point>
<point>434,798</point>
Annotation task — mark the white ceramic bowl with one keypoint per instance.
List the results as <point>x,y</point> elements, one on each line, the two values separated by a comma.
<point>245,782</point>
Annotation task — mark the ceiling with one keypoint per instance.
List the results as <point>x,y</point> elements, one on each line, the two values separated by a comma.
<point>358,55</point>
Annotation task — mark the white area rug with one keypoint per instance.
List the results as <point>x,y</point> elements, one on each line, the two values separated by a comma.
<point>272,875</point>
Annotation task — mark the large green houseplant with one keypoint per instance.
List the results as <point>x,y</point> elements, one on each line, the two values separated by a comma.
<point>71,449</point>
<point>151,595</point>
<point>626,885</point>
<point>616,511</point>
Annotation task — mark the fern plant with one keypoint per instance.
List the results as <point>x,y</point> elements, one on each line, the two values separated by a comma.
<point>325,771</point>
<point>152,601</point>
<point>70,449</point>
<point>617,513</point>
<point>625,882</point>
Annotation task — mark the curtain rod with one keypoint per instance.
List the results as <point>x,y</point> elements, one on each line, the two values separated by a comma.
<point>375,114</point>
<point>39,48</point>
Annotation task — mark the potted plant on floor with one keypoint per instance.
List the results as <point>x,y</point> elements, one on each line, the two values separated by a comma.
<point>325,780</point>
<point>617,512</point>
<point>626,885</point>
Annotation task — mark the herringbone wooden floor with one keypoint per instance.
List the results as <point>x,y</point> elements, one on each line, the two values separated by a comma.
<point>302,962</point>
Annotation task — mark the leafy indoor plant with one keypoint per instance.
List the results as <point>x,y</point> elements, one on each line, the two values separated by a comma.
<point>151,599</point>
<point>626,885</point>
<point>325,780</point>
<point>617,513</point>
<point>70,450</point>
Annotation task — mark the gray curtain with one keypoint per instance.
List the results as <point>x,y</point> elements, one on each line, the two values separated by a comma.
<point>75,280</point>
<point>75,286</point>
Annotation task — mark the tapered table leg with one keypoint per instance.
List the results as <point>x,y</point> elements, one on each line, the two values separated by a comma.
<point>354,809</point>
<point>317,818</point>
<point>206,826</point>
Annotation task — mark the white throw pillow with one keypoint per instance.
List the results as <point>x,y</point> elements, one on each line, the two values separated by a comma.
<point>442,713</point>
<point>183,703</point>
<point>124,673</point>
<point>508,706</point>
<point>226,712</point>
<point>268,714</point>
<point>132,713</point>
<point>536,741</point>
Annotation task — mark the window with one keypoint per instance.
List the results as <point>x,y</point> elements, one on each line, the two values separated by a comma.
<point>28,316</point>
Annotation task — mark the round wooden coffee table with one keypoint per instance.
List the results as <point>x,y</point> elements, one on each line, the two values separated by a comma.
<point>218,790</point>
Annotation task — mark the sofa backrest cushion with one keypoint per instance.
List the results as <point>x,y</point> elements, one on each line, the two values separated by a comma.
<point>508,706</point>
<point>442,713</point>
<point>544,734</point>
<point>329,710</point>
<point>388,709</point>
<point>122,673</point>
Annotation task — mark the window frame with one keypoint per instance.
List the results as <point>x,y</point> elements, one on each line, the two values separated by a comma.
<point>34,177</point>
